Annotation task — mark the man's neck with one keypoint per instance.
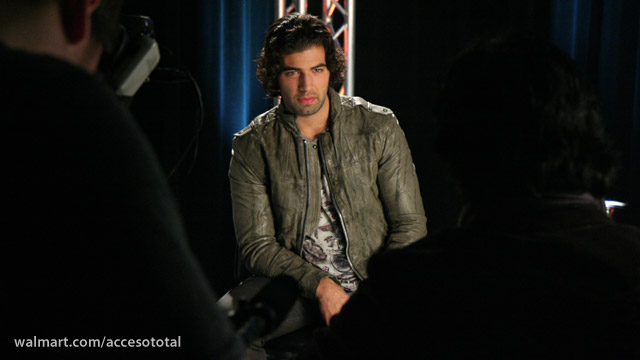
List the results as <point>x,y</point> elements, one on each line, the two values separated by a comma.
<point>312,125</point>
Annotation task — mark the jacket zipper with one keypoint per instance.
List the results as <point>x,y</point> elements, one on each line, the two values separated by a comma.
<point>335,206</point>
<point>306,208</point>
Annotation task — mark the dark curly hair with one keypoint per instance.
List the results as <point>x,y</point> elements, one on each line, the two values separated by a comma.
<point>292,33</point>
<point>516,117</point>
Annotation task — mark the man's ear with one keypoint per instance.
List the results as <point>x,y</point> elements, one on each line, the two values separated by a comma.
<point>76,18</point>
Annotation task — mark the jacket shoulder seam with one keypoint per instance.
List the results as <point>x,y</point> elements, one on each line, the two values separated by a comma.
<point>259,121</point>
<point>358,101</point>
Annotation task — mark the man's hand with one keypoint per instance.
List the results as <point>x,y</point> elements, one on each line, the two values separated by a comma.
<point>331,297</point>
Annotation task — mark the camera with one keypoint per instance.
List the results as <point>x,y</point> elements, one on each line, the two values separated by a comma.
<point>134,57</point>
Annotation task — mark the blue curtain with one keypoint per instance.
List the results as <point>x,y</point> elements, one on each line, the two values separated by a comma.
<point>233,35</point>
<point>603,36</point>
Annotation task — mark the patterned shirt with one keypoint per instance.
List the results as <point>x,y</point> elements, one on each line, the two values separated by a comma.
<point>325,247</point>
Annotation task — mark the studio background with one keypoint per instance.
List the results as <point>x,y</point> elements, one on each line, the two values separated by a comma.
<point>205,89</point>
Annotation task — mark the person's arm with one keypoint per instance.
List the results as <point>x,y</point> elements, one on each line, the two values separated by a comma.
<point>255,230</point>
<point>400,191</point>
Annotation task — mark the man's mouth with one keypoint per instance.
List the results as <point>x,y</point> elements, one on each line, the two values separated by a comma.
<point>307,100</point>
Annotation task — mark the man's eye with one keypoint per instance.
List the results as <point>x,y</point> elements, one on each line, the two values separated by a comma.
<point>318,70</point>
<point>290,73</point>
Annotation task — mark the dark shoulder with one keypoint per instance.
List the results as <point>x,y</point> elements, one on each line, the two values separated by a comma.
<point>63,114</point>
<point>428,252</point>
<point>26,73</point>
<point>42,88</point>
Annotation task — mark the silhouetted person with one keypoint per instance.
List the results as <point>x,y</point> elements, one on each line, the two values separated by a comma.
<point>536,270</point>
<point>95,248</point>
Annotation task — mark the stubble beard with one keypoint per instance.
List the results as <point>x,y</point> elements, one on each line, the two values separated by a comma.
<point>307,110</point>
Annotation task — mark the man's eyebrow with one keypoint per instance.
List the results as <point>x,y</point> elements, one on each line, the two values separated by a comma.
<point>289,68</point>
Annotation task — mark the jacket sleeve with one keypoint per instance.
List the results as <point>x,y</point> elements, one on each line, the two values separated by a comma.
<point>400,190</point>
<point>253,220</point>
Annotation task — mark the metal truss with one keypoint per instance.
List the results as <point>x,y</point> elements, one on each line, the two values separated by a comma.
<point>340,17</point>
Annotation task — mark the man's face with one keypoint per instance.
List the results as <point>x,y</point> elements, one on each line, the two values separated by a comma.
<point>304,81</point>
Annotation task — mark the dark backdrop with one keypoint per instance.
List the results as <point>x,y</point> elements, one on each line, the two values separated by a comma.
<point>399,52</point>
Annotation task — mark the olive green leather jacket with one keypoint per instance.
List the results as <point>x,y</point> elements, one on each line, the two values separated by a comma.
<point>275,177</point>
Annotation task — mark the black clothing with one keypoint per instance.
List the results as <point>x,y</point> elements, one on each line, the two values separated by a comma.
<point>525,279</point>
<point>97,249</point>
<point>294,330</point>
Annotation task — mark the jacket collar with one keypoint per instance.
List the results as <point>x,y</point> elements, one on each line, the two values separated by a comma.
<point>289,119</point>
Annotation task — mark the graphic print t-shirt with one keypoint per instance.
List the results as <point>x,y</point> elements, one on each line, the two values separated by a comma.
<point>325,247</point>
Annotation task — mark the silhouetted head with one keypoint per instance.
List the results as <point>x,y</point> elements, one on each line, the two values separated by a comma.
<point>516,118</point>
<point>61,28</point>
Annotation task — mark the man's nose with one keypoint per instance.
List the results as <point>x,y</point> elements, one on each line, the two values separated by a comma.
<point>305,82</point>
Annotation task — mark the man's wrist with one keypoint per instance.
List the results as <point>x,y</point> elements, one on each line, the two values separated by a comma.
<point>327,283</point>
